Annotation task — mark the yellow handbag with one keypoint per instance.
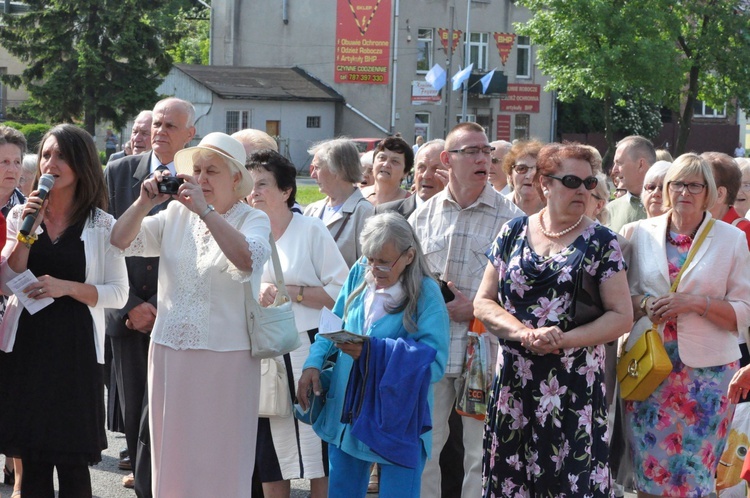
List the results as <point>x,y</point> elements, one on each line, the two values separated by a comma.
<point>645,366</point>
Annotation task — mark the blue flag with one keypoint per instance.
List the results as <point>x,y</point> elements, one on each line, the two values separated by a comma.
<point>486,79</point>
<point>436,77</point>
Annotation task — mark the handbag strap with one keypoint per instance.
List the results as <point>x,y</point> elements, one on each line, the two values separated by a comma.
<point>282,295</point>
<point>693,250</point>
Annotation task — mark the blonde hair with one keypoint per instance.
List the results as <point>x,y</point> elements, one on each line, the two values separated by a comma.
<point>687,165</point>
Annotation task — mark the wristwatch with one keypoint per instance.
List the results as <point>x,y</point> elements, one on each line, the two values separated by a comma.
<point>644,301</point>
<point>300,297</point>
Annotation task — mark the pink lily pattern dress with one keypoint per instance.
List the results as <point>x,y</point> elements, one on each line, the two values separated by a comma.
<point>546,427</point>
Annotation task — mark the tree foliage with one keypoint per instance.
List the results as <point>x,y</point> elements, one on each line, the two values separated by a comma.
<point>664,51</point>
<point>195,45</point>
<point>91,60</point>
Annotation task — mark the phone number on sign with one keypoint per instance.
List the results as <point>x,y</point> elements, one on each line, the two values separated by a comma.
<point>364,78</point>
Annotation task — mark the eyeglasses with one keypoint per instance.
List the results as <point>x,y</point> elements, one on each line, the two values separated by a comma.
<point>745,186</point>
<point>495,160</point>
<point>382,268</point>
<point>650,187</point>
<point>473,151</point>
<point>522,169</point>
<point>573,182</point>
<point>694,188</point>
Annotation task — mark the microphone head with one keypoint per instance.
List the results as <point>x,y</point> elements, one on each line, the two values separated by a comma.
<point>46,182</point>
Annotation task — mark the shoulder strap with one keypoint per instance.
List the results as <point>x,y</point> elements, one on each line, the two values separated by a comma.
<point>692,252</point>
<point>282,295</point>
<point>738,221</point>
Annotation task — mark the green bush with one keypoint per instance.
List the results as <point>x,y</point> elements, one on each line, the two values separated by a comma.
<point>13,124</point>
<point>103,157</point>
<point>34,133</point>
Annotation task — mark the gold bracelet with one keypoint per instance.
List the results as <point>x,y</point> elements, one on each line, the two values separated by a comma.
<point>27,240</point>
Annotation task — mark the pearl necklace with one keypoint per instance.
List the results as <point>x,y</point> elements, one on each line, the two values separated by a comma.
<point>556,235</point>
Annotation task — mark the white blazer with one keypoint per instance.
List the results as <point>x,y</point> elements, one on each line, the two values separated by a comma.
<point>719,270</point>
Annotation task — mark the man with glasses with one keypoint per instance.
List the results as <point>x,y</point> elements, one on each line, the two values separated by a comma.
<point>728,178</point>
<point>633,157</point>
<point>455,229</point>
<point>498,178</point>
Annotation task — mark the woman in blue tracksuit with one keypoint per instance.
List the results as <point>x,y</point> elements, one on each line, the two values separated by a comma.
<point>391,298</point>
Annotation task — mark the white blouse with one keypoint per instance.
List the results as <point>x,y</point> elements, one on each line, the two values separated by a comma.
<point>309,257</point>
<point>201,295</point>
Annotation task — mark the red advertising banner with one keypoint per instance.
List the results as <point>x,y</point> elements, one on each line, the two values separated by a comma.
<point>443,34</point>
<point>504,43</point>
<point>503,127</point>
<point>521,98</point>
<point>363,41</point>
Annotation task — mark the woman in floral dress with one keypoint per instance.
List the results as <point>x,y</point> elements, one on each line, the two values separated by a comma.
<point>678,433</point>
<point>546,431</point>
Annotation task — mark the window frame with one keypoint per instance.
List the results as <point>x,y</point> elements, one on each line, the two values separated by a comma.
<point>429,44</point>
<point>523,48</point>
<point>703,114</point>
<point>243,120</point>
<point>482,47</point>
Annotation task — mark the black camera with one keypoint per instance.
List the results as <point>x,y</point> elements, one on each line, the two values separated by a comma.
<point>170,185</point>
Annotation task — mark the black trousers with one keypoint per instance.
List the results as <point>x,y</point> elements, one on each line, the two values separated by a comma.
<point>75,480</point>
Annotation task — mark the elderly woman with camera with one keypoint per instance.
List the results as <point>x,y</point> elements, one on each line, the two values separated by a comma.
<point>203,382</point>
<point>393,302</point>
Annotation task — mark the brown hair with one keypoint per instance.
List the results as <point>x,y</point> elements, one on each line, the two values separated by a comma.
<point>726,172</point>
<point>79,151</point>
<point>551,156</point>
<point>518,150</point>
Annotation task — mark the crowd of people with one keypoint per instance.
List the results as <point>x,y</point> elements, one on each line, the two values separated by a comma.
<point>148,265</point>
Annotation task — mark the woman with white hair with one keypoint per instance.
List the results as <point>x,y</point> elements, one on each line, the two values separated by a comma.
<point>391,298</point>
<point>742,202</point>
<point>204,385</point>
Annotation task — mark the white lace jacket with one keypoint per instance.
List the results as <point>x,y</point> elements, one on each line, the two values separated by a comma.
<point>105,270</point>
<point>201,293</point>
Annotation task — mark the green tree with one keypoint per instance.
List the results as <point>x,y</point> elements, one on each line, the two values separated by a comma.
<point>194,46</point>
<point>665,51</point>
<point>91,60</point>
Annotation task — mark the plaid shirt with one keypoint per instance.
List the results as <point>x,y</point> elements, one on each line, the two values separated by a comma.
<point>455,242</point>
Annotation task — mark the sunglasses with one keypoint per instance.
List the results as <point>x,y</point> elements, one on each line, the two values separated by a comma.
<point>573,182</point>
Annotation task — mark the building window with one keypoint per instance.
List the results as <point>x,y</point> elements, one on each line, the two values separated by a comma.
<point>521,128</point>
<point>523,57</point>
<point>237,120</point>
<point>313,121</point>
<point>478,50</point>
<point>703,110</point>
<point>422,126</point>
<point>424,50</point>
<point>470,118</point>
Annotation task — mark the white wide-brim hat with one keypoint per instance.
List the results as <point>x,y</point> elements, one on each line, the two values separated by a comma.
<point>224,146</point>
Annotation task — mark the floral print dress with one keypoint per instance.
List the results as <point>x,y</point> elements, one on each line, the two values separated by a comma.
<point>678,433</point>
<point>546,428</point>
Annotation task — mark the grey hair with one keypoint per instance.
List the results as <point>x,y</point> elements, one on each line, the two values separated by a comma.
<point>187,108</point>
<point>29,163</point>
<point>391,227</point>
<point>657,171</point>
<point>341,157</point>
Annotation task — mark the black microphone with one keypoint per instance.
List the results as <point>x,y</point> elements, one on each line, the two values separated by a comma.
<point>45,185</point>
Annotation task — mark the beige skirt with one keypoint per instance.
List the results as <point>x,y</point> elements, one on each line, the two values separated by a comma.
<point>203,409</point>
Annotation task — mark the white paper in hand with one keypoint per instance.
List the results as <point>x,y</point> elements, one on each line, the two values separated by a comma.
<point>332,328</point>
<point>19,283</point>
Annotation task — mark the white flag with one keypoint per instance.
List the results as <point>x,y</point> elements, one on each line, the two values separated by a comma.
<point>436,77</point>
<point>486,79</point>
<point>461,76</point>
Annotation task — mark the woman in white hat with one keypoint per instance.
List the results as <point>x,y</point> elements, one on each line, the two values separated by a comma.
<point>203,383</point>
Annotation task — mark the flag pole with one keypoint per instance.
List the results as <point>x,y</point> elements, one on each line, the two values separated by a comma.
<point>467,37</point>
